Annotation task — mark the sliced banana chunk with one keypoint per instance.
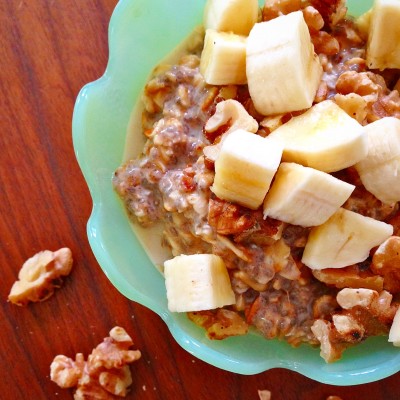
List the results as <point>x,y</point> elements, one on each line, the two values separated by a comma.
<point>237,16</point>
<point>305,196</point>
<point>380,169</point>
<point>283,72</point>
<point>324,138</point>
<point>383,47</point>
<point>197,282</point>
<point>223,59</point>
<point>345,239</point>
<point>394,333</point>
<point>245,167</point>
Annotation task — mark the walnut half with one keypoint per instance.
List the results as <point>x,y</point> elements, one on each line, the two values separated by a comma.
<point>40,275</point>
<point>106,373</point>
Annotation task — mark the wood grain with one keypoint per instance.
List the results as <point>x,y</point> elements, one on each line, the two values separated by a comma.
<point>49,50</point>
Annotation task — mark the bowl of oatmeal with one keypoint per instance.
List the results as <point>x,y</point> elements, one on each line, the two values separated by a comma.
<point>140,139</point>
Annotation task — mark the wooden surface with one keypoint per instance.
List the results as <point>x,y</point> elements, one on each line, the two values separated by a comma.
<point>49,49</point>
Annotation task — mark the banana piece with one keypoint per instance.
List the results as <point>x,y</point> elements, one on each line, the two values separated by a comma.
<point>380,170</point>
<point>345,239</point>
<point>305,196</point>
<point>197,282</point>
<point>245,167</point>
<point>394,333</point>
<point>237,16</point>
<point>223,59</point>
<point>363,23</point>
<point>283,72</point>
<point>383,46</point>
<point>324,138</point>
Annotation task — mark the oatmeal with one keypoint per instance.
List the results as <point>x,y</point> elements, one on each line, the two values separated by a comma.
<point>187,123</point>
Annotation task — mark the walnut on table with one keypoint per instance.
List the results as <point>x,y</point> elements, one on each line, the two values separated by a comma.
<point>106,373</point>
<point>40,275</point>
<point>264,394</point>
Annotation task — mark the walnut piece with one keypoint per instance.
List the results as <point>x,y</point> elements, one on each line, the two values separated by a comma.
<point>386,263</point>
<point>40,275</point>
<point>348,297</point>
<point>354,105</point>
<point>364,313</point>
<point>349,277</point>
<point>229,116</point>
<point>219,323</point>
<point>264,394</point>
<point>105,375</point>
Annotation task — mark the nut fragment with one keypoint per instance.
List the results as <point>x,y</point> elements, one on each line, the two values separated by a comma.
<point>229,116</point>
<point>347,325</point>
<point>348,297</point>
<point>264,394</point>
<point>324,332</point>
<point>349,277</point>
<point>386,263</point>
<point>106,372</point>
<point>354,105</point>
<point>40,275</point>
<point>219,323</point>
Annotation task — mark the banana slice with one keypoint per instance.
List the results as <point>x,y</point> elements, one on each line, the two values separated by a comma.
<point>223,59</point>
<point>394,333</point>
<point>363,23</point>
<point>305,196</point>
<point>380,170</point>
<point>237,16</point>
<point>324,138</point>
<point>383,47</point>
<point>283,72</point>
<point>245,167</point>
<point>345,239</point>
<point>197,282</point>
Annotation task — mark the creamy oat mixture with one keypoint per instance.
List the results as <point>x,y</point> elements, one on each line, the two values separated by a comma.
<point>170,182</point>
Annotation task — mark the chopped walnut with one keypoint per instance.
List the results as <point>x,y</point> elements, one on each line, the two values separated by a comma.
<point>365,313</point>
<point>348,327</point>
<point>354,105</point>
<point>332,11</point>
<point>219,323</point>
<point>276,8</point>
<point>105,375</point>
<point>349,277</point>
<point>386,263</point>
<point>324,306</point>
<point>228,218</point>
<point>40,276</point>
<point>325,333</point>
<point>313,18</point>
<point>349,297</point>
<point>229,116</point>
<point>381,102</point>
<point>322,92</point>
<point>325,43</point>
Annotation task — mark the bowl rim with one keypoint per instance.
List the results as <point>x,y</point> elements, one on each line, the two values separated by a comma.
<point>80,121</point>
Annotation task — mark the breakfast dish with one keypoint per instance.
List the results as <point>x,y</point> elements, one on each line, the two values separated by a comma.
<point>278,196</point>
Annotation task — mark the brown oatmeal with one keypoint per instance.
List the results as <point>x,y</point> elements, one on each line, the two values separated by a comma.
<point>170,182</point>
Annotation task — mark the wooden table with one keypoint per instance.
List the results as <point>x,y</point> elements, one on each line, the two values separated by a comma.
<point>49,50</point>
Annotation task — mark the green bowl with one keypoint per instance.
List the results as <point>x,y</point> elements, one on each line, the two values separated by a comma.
<point>141,33</point>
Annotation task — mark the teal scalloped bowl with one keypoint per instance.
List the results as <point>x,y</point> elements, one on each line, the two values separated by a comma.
<point>141,33</point>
